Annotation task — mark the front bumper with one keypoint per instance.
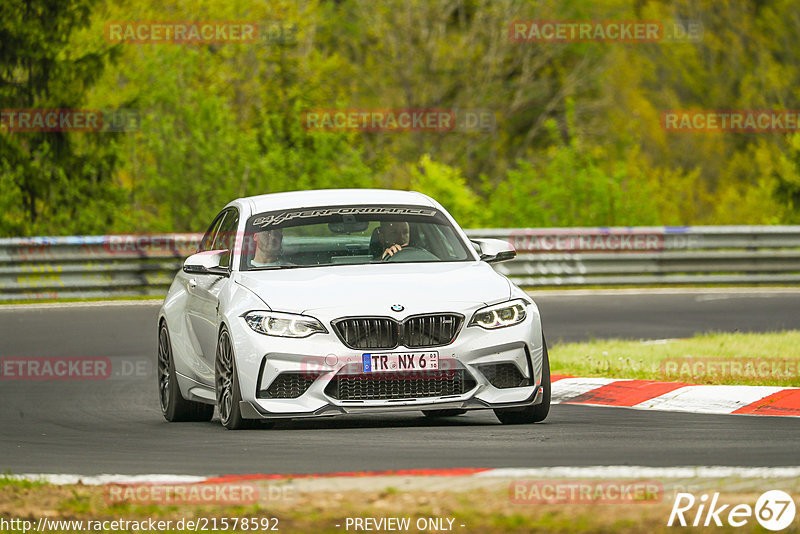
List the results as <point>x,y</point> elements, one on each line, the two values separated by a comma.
<point>261,359</point>
<point>251,410</point>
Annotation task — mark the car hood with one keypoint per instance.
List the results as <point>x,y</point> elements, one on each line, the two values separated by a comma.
<point>373,289</point>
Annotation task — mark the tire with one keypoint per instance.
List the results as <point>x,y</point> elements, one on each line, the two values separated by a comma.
<point>226,381</point>
<point>173,406</point>
<point>443,413</point>
<point>531,414</point>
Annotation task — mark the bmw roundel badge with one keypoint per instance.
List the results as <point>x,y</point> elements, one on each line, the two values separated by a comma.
<point>397,307</point>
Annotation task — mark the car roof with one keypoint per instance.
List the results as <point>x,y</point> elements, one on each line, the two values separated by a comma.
<point>334,197</point>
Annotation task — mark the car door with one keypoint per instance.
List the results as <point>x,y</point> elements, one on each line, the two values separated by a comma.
<point>203,291</point>
<point>195,364</point>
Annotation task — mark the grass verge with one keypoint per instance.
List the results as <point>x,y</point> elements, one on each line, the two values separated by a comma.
<point>8,481</point>
<point>770,359</point>
<point>489,510</point>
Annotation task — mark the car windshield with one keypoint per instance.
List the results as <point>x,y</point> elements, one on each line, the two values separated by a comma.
<point>338,235</point>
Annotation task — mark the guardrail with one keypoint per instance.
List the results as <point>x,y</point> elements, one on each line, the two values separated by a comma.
<point>134,265</point>
<point>652,255</point>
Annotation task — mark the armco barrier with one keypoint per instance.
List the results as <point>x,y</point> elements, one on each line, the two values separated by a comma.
<point>91,266</point>
<point>130,265</point>
<point>652,255</point>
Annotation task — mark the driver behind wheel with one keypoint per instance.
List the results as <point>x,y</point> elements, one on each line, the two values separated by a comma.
<point>269,250</point>
<point>394,236</point>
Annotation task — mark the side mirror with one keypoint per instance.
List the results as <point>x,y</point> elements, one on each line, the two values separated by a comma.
<point>494,250</point>
<point>206,263</point>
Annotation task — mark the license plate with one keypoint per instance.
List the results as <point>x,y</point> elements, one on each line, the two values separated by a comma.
<point>400,361</point>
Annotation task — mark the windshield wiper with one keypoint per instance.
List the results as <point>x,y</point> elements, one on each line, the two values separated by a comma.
<point>275,267</point>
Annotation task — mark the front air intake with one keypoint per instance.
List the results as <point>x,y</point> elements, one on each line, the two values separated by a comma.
<point>289,385</point>
<point>395,386</point>
<point>503,375</point>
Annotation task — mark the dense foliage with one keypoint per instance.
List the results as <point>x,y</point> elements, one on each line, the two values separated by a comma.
<point>578,139</point>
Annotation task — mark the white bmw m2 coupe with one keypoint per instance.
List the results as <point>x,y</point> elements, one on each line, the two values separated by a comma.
<point>321,303</point>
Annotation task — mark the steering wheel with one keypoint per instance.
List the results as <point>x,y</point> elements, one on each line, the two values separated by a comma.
<point>416,252</point>
<point>401,251</point>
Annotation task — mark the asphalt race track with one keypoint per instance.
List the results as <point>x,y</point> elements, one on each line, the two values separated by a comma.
<point>115,426</point>
<point>571,317</point>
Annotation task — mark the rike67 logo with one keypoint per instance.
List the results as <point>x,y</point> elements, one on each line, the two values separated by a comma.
<point>774,510</point>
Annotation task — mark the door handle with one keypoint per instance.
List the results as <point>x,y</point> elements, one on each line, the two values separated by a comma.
<point>192,283</point>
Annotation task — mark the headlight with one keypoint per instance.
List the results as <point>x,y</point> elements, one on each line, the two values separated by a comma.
<point>283,324</point>
<point>500,315</point>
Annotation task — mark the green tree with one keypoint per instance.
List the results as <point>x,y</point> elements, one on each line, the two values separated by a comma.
<point>222,121</point>
<point>449,187</point>
<point>572,184</point>
<point>53,182</point>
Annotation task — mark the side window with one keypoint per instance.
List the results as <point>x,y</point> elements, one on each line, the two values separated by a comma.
<point>208,238</point>
<point>226,236</point>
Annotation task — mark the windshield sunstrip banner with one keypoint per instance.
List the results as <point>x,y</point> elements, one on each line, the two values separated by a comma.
<point>281,218</point>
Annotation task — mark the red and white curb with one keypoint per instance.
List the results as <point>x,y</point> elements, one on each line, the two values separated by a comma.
<point>676,396</point>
